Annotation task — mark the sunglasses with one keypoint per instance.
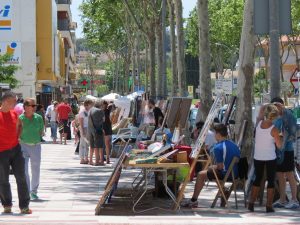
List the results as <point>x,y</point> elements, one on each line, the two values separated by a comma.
<point>32,105</point>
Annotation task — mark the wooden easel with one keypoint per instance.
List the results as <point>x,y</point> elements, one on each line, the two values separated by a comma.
<point>199,144</point>
<point>112,183</point>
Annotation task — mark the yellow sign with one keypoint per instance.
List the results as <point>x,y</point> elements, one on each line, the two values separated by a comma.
<point>191,90</point>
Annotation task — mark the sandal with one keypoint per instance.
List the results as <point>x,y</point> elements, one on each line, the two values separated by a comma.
<point>99,164</point>
<point>26,211</point>
<point>83,162</point>
<point>7,209</point>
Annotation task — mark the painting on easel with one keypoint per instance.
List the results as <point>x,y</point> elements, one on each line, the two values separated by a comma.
<point>178,112</point>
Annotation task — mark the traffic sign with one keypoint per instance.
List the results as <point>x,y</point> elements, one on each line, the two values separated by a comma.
<point>224,85</point>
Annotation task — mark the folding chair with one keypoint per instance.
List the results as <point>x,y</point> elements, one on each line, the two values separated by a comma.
<point>221,184</point>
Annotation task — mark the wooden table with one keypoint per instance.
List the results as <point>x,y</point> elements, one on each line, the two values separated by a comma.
<point>143,177</point>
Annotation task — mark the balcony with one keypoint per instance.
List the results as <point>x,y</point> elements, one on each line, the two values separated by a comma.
<point>63,25</point>
<point>64,11</point>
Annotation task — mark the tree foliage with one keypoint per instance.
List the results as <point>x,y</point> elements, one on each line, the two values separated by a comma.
<point>7,71</point>
<point>260,83</point>
<point>225,21</point>
<point>103,24</point>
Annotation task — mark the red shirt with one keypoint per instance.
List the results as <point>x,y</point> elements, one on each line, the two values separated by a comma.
<point>8,130</point>
<point>63,111</point>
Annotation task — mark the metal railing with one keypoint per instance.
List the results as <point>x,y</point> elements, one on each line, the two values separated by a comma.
<point>64,2</point>
<point>63,24</point>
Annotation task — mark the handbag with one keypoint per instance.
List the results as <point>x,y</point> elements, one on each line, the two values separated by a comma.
<point>98,130</point>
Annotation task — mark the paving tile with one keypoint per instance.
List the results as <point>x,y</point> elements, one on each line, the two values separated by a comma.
<point>69,193</point>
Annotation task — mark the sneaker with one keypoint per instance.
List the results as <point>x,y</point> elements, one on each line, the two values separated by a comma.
<point>292,205</point>
<point>26,211</point>
<point>189,204</point>
<point>279,204</point>
<point>33,196</point>
<point>7,209</point>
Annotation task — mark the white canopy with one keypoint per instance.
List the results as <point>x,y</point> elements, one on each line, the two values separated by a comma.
<point>111,96</point>
<point>91,97</point>
<point>133,95</point>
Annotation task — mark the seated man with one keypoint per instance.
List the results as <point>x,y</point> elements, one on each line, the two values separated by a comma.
<point>224,152</point>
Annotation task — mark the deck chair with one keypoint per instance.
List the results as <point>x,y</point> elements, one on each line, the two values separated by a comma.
<point>221,184</point>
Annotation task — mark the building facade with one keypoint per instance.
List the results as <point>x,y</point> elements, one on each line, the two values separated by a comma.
<point>18,37</point>
<point>42,43</point>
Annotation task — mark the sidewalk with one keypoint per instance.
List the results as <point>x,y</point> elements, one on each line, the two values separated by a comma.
<point>69,193</point>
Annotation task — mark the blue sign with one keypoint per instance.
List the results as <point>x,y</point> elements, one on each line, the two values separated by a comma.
<point>46,89</point>
<point>137,88</point>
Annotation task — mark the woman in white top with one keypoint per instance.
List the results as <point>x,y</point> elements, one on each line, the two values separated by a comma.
<point>266,137</point>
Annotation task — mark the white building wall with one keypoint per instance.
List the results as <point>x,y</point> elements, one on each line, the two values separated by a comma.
<point>23,31</point>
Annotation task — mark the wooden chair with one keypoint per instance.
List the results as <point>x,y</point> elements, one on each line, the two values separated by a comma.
<point>221,184</point>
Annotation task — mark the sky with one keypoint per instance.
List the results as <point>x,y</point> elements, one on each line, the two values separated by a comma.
<point>188,5</point>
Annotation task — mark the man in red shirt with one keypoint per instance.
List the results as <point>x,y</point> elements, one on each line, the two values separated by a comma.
<point>11,155</point>
<point>63,111</point>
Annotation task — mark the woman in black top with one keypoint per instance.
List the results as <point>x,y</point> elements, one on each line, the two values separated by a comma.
<point>156,111</point>
<point>107,128</point>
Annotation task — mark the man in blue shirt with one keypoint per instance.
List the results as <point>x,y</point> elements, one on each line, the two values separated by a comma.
<point>287,125</point>
<point>224,151</point>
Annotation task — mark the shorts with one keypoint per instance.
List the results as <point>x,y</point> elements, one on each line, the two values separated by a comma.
<point>63,126</point>
<point>96,140</point>
<point>107,129</point>
<point>211,175</point>
<point>288,164</point>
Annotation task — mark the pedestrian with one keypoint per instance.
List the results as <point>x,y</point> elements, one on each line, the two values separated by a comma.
<point>19,109</point>
<point>75,126</point>
<point>32,128</point>
<point>41,111</point>
<point>266,137</point>
<point>107,128</point>
<point>156,111</point>
<point>63,111</point>
<point>52,114</point>
<point>285,165</point>
<point>83,126</point>
<point>96,135</point>
<point>49,108</point>
<point>224,152</point>
<point>11,156</point>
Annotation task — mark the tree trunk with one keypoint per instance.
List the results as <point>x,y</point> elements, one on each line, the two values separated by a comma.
<point>146,68</point>
<point>151,40</point>
<point>204,59</point>
<point>173,48</point>
<point>133,67</point>
<point>164,44</point>
<point>117,73</point>
<point>127,66</point>
<point>245,78</point>
<point>159,46</point>
<point>180,48</point>
<point>138,59</point>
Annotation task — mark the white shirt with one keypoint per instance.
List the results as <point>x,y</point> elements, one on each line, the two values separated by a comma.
<point>210,139</point>
<point>51,112</point>
<point>84,114</point>
<point>264,144</point>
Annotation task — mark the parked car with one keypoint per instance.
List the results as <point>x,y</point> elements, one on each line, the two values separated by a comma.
<point>192,118</point>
